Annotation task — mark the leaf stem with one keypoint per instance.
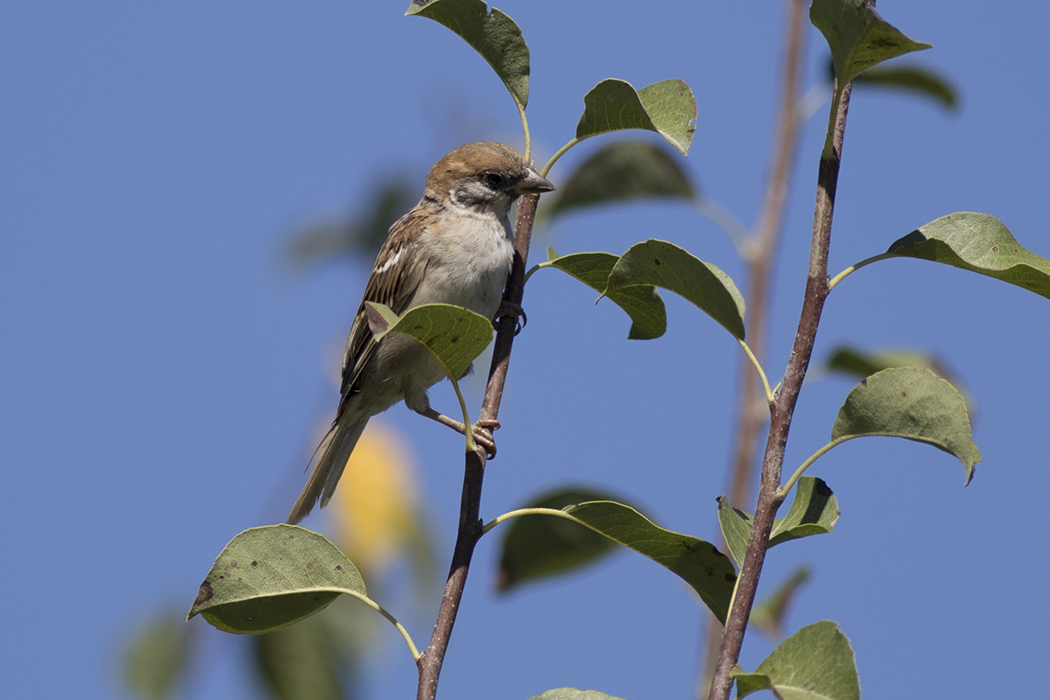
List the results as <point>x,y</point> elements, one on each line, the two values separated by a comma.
<point>525,127</point>
<point>853,268</point>
<point>758,366</point>
<point>393,620</point>
<point>561,151</point>
<point>786,488</point>
<point>525,511</point>
<point>468,429</point>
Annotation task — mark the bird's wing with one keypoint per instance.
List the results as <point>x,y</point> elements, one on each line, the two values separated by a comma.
<point>397,273</point>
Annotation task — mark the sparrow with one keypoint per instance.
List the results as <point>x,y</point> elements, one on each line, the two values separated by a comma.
<point>454,247</point>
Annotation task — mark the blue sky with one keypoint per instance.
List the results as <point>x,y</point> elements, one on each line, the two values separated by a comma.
<point>163,367</point>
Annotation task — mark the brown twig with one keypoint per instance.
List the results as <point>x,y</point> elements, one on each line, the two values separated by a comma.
<point>783,408</point>
<point>762,253</point>
<point>433,656</point>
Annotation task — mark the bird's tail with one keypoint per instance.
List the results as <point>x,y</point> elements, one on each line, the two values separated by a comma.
<point>334,451</point>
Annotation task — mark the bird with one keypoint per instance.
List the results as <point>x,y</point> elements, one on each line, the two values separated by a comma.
<point>454,247</point>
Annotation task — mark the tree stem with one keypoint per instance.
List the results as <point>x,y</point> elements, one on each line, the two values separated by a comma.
<point>783,408</point>
<point>752,410</point>
<point>470,525</point>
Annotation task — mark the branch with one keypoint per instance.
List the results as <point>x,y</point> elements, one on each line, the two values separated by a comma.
<point>751,410</point>
<point>783,408</point>
<point>470,526</point>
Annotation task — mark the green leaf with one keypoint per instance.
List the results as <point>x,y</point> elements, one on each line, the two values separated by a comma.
<point>155,661</point>
<point>768,616</point>
<point>301,662</point>
<point>698,563</point>
<point>858,37</point>
<point>534,546</point>
<point>860,363</point>
<point>665,265</point>
<point>813,512</point>
<point>622,171</point>
<point>917,79</point>
<point>573,694</point>
<point>667,107</point>
<point>979,243</point>
<point>815,663</point>
<point>642,302</point>
<point>493,34</point>
<point>270,577</point>
<point>910,403</point>
<point>736,528</point>
<point>454,335</point>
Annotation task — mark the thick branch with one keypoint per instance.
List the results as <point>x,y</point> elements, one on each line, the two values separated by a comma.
<point>783,409</point>
<point>430,662</point>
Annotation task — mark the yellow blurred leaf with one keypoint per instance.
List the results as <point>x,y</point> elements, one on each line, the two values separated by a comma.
<point>376,504</point>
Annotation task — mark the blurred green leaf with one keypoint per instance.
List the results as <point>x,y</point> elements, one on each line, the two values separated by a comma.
<point>301,662</point>
<point>622,171</point>
<point>858,37</point>
<point>917,79</point>
<point>270,577</point>
<point>155,661</point>
<point>665,265</point>
<point>493,34</point>
<point>815,663</point>
<point>910,403</point>
<point>641,302</point>
<point>535,546</point>
<point>698,563</point>
<point>814,511</point>
<point>667,107</point>
<point>363,234</point>
<point>573,694</point>
<point>768,615</point>
<point>455,336</point>
<point>978,243</point>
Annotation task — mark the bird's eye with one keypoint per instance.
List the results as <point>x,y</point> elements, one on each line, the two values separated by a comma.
<point>494,179</point>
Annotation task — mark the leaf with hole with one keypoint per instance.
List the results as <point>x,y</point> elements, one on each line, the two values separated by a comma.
<point>493,34</point>
<point>641,302</point>
<point>815,663</point>
<point>978,243</point>
<point>667,107</point>
<point>661,264</point>
<point>910,403</point>
<point>698,563</point>
<point>270,577</point>
<point>454,335</point>
<point>858,37</point>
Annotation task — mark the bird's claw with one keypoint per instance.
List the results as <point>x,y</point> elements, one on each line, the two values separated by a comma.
<point>482,431</point>
<point>508,309</point>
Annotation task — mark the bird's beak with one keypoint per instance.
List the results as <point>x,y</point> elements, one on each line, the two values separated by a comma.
<point>533,183</point>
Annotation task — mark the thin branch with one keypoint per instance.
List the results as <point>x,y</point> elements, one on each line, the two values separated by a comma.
<point>769,498</point>
<point>752,411</point>
<point>470,525</point>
